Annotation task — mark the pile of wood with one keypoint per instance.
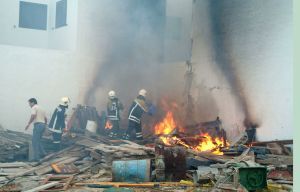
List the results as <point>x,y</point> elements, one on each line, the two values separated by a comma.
<point>13,145</point>
<point>121,149</point>
<point>88,159</point>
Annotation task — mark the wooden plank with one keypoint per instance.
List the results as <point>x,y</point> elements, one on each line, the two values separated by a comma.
<point>48,167</point>
<point>65,180</point>
<point>147,184</point>
<point>3,179</point>
<point>132,144</point>
<point>210,156</point>
<point>32,170</point>
<point>43,187</point>
<point>275,148</point>
<point>50,156</point>
<point>283,142</point>
<point>13,170</point>
<point>127,150</point>
<point>276,160</point>
<point>13,165</point>
<point>104,148</point>
<point>64,168</point>
<point>87,143</point>
<point>95,155</point>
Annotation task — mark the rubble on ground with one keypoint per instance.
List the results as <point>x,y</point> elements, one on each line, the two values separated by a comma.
<point>13,145</point>
<point>92,162</point>
<point>88,165</point>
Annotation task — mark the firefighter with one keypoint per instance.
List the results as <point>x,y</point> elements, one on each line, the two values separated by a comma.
<point>137,109</point>
<point>114,106</point>
<point>57,123</point>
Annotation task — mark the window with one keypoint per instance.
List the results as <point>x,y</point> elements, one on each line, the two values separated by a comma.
<point>33,15</point>
<point>61,14</point>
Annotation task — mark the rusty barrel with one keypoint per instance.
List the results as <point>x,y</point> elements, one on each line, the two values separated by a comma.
<point>131,170</point>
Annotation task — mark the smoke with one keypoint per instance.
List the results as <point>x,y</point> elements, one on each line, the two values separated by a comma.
<point>134,59</point>
<point>135,52</point>
<point>239,46</point>
<point>226,63</point>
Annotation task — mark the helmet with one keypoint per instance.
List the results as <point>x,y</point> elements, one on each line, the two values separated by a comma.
<point>143,92</point>
<point>65,101</point>
<point>111,94</point>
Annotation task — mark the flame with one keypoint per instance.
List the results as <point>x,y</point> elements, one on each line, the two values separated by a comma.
<point>206,142</point>
<point>210,144</point>
<point>166,126</point>
<point>108,125</point>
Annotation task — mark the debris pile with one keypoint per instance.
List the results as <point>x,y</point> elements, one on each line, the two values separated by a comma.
<point>91,161</point>
<point>13,145</point>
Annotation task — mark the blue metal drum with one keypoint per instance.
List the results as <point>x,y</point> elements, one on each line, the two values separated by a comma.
<point>131,170</point>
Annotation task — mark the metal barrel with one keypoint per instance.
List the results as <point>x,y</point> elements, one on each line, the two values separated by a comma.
<point>131,170</point>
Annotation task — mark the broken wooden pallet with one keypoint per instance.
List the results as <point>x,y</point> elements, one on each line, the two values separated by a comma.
<point>64,180</point>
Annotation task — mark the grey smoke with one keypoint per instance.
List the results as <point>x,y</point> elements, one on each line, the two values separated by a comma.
<point>136,48</point>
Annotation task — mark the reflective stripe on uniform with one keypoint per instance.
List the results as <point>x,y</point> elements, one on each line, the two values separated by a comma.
<point>131,117</point>
<point>112,117</point>
<point>55,130</point>
<point>139,135</point>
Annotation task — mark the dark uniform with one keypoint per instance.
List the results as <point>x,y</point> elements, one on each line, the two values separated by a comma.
<point>137,109</point>
<point>57,124</point>
<point>114,106</point>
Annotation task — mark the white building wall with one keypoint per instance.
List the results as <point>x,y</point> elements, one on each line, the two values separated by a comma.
<point>55,68</point>
<point>258,38</point>
<point>11,34</point>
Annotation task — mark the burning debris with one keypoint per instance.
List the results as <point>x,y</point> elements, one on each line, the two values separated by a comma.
<point>173,162</point>
<point>202,141</point>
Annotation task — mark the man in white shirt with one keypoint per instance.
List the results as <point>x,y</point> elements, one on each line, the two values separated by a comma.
<point>39,120</point>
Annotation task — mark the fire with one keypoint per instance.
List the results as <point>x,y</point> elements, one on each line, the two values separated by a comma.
<point>206,142</point>
<point>108,125</point>
<point>210,144</point>
<point>166,126</point>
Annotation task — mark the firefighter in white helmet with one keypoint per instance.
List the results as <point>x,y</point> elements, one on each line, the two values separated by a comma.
<point>114,107</point>
<point>57,122</point>
<point>136,111</point>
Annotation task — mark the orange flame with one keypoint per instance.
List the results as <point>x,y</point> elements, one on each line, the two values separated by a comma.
<point>166,126</point>
<point>210,144</point>
<point>206,143</point>
<point>108,125</point>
